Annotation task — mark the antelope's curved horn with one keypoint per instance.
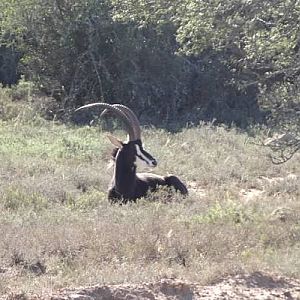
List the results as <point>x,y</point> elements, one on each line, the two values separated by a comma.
<point>118,112</point>
<point>131,115</point>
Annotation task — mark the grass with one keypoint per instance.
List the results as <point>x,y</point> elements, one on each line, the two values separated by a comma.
<point>57,228</point>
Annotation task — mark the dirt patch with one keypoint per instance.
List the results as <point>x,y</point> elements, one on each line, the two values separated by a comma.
<point>274,180</point>
<point>250,194</point>
<point>254,286</point>
<point>195,188</point>
<point>243,286</point>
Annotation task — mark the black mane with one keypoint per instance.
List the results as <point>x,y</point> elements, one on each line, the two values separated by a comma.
<point>114,153</point>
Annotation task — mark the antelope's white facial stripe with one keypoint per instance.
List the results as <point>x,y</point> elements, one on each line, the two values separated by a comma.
<point>145,157</point>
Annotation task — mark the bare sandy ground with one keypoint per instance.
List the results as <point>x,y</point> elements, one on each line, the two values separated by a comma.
<point>258,286</point>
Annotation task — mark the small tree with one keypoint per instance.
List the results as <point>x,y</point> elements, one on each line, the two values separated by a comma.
<point>283,101</point>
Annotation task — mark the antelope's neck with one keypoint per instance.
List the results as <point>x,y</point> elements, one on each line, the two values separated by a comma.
<point>124,175</point>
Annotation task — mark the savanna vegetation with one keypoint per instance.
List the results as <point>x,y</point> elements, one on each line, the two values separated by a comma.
<point>229,61</point>
<point>212,80</point>
<point>58,229</point>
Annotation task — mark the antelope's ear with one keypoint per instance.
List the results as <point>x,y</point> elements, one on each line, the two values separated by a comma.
<point>116,142</point>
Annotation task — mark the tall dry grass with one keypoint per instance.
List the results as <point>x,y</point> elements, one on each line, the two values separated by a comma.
<point>57,229</point>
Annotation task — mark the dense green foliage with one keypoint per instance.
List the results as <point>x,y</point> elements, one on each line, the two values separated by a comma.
<point>194,59</point>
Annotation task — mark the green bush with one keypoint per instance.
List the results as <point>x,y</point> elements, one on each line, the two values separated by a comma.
<point>16,104</point>
<point>106,51</point>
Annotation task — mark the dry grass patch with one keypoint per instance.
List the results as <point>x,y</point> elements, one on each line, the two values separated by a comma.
<point>65,246</point>
<point>58,229</point>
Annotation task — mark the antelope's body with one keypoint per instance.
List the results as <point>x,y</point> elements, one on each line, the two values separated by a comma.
<point>127,184</point>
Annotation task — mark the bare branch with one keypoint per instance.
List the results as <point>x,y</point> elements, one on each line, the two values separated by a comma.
<point>284,146</point>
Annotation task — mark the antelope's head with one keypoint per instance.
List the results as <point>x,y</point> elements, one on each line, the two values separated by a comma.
<point>131,151</point>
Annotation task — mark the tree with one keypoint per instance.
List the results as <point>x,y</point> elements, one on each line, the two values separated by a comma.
<point>284,119</point>
<point>208,59</point>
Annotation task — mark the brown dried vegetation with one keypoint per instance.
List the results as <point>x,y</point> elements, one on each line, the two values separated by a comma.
<point>58,230</point>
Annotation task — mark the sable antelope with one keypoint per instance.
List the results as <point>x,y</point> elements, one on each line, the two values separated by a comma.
<point>127,184</point>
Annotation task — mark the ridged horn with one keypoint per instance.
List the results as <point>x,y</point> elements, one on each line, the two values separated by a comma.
<point>131,115</point>
<point>118,112</point>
